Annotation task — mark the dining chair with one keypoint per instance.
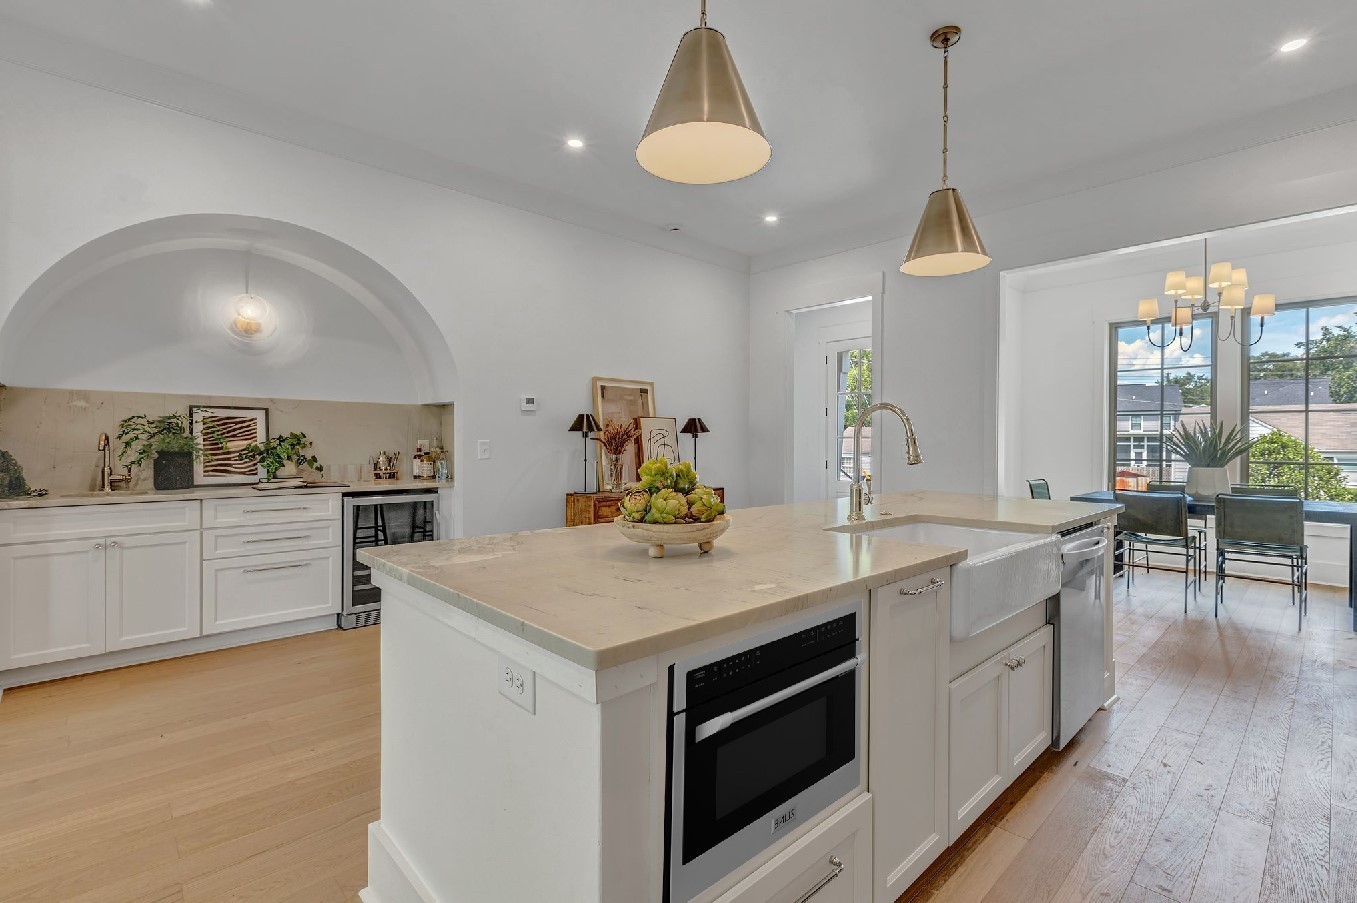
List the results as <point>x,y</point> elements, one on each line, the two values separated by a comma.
<point>1263,530</point>
<point>1265,489</point>
<point>1158,520</point>
<point>1198,527</point>
<point>1040,489</point>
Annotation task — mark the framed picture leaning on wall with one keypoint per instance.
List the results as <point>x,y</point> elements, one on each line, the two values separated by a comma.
<point>658,438</point>
<point>622,400</point>
<point>223,431</point>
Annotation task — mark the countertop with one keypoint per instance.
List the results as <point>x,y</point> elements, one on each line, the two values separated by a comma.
<point>129,496</point>
<point>593,598</point>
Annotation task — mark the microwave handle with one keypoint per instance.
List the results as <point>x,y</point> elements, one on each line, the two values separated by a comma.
<point>721,722</point>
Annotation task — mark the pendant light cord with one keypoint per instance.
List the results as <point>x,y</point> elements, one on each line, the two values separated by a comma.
<point>945,52</point>
<point>703,22</point>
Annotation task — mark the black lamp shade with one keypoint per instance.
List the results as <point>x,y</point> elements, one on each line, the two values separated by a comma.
<point>584,423</point>
<point>694,427</point>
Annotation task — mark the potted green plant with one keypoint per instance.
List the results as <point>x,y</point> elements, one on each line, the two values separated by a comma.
<point>12,482</point>
<point>281,451</point>
<point>166,439</point>
<point>1207,448</point>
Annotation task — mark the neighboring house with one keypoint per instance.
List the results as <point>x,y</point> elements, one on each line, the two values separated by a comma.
<point>1142,418</point>
<point>1280,404</point>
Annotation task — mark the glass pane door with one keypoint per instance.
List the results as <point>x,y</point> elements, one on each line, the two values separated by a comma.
<point>849,364</point>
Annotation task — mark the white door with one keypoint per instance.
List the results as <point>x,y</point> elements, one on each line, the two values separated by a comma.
<point>51,602</point>
<point>978,747</point>
<point>154,588</point>
<point>848,366</point>
<point>1029,700</point>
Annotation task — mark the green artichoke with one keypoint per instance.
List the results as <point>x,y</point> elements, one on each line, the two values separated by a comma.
<point>685,478</point>
<point>704,504</point>
<point>635,504</point>
<point>666,507</point>
<point>655,474</point>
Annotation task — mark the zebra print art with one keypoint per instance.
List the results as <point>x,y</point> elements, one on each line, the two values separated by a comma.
<point>223,432</point>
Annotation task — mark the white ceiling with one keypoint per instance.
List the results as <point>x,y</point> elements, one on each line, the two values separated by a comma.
<point>1048,95</point>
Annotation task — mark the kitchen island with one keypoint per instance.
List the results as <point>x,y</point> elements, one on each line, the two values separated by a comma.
<point>526,698</point>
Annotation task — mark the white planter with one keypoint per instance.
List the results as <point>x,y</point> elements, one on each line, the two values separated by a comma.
<point>1205,483</point>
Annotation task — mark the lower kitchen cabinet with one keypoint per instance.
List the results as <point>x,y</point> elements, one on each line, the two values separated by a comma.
<point>154,590</point>
<point>1000,721</point>
<point>831,864</point>
<point>908,738</point>
<point>270,589</point>
<point>52,602</point>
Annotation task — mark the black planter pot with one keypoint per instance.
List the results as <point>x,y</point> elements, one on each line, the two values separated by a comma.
<point>172,470</point>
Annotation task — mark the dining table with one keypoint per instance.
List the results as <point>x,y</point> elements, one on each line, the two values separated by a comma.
<point>1316,512</point>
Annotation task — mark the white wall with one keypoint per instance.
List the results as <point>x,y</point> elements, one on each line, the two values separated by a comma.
<point>939,339</point>
<point>810,391</point>
<point>527,304</point>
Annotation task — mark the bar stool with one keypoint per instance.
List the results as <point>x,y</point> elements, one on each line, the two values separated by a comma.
<point>371,534</point>
<point>1266,489</point>
<point>1159,520</point>
<point>1263,530</point>
<point>421,522</point>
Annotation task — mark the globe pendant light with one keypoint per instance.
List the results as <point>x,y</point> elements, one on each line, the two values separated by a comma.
<point>946,242</point>
<point>703,129</point>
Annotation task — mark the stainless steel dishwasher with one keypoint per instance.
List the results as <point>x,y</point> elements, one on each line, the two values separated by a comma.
<point>1078,616</point>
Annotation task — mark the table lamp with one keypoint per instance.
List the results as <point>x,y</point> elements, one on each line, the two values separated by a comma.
<point>586,424</point>
<point>694,427</point>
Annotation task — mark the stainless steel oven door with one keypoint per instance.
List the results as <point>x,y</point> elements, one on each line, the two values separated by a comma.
<point>744,779</point>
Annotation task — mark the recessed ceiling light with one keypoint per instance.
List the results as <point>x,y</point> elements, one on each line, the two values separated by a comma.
<point>1296,44</point>
<point>770,217</point>
<point>574,143</point>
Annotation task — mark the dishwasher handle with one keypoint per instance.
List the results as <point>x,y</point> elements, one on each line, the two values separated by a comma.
<point>1083,550</point>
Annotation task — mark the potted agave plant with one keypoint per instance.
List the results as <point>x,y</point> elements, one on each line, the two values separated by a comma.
<point>1207,448</point>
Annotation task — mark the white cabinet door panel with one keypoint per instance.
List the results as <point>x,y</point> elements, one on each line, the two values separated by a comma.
<point>154,588</point>
<point>1029,701</point>
<point>51,602</point>
<point>269,589</point>
<point>979,743</point>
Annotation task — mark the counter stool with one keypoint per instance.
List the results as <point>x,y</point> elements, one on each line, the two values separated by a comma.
<point>370,534</point>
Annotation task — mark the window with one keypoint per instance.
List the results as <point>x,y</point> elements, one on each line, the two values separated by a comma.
<point>850,391</point>
<point>1157,389</point>
<point>1301,400</point>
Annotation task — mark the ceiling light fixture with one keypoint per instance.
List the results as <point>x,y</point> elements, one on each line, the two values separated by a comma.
<point>252,317</point>
<point>770,217</point>
<point>946,242</point>
<point>574,143</point>
<point>703,129</point>
<point>1231,284</point>
<point>1295,44</point>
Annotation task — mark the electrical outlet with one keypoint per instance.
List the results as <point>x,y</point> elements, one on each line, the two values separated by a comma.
<point>518,685</point>
<point>483,449</point>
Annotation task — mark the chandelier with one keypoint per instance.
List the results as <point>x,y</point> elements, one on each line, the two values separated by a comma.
<point>1192,294</point>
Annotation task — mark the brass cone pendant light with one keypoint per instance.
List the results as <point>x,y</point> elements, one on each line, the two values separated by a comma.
<point>946,242</point>
<point>703,129</point>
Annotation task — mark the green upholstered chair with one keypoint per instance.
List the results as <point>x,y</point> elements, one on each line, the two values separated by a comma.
<point>1265,489</point>
<point>1040,489</point>
<point>1198,527</point>
<point>1158,521</point>
<point>1263,530</point>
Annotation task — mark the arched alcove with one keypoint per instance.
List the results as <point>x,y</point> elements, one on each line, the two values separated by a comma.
<point>147,308</point>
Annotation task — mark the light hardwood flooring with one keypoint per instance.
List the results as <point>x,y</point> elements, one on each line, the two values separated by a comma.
<point>1228,772</point>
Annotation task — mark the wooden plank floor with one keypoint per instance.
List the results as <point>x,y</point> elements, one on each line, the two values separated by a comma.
<point>1227,773</point>
<point>249,774</point>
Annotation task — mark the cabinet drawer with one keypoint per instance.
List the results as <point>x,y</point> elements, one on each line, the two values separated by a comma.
<point>606,510</point>
<point>231,542</point>
<point>831,864</point>
<point>97,521</point>
<point>271,510</point>
<point>269,589</point>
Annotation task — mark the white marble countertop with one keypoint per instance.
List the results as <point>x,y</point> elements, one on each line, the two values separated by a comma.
<point>129,496</point>
<point>593,598</point>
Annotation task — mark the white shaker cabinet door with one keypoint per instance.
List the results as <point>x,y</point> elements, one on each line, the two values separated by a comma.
<point>51,602</point>
<point>978,751</point>
<point>907,763</point>
<point>1029,700</point>
<point>269,589</point>
<point>154,588</point>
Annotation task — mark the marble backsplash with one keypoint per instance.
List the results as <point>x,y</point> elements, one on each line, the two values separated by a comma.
<point>53,433</point>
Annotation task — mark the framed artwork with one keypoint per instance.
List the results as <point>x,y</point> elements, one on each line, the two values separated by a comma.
<point>237,428</point>
<point>622,400</point>
<point>658,438</point>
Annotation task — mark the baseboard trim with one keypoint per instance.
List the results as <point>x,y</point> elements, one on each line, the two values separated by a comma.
<point>391,877</point>
<point>34,674</point>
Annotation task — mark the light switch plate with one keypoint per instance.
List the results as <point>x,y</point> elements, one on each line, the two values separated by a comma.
<point>483,449</point>
<point>518,684</point>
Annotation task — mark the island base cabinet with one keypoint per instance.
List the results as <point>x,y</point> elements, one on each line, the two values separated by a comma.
<point>269,589</point>
<point>999,722</point>
<point>831,864</point>
<point>52,602</point>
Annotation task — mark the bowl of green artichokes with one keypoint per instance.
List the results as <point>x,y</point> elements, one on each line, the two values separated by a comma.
<point>668,505</point>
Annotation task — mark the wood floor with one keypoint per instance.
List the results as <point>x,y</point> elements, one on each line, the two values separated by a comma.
<point>246,775</point>
<point>1227,773</point>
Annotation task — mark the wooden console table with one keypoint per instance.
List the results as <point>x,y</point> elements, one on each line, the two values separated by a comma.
<point>585,508</point>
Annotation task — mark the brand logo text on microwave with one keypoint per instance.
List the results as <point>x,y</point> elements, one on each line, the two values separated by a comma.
<point>784,819</point>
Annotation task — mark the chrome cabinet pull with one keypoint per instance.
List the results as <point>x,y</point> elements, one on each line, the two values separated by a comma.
<point>270,510</point>
<point>1014,664</point>
<point>272,539</point>
<point>926,588</point>
<point>98,545</point>
<point>837,865</point>
<point>279,567</point>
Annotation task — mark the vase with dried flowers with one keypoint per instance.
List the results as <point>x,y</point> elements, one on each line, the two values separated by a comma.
<point>616,439</point>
